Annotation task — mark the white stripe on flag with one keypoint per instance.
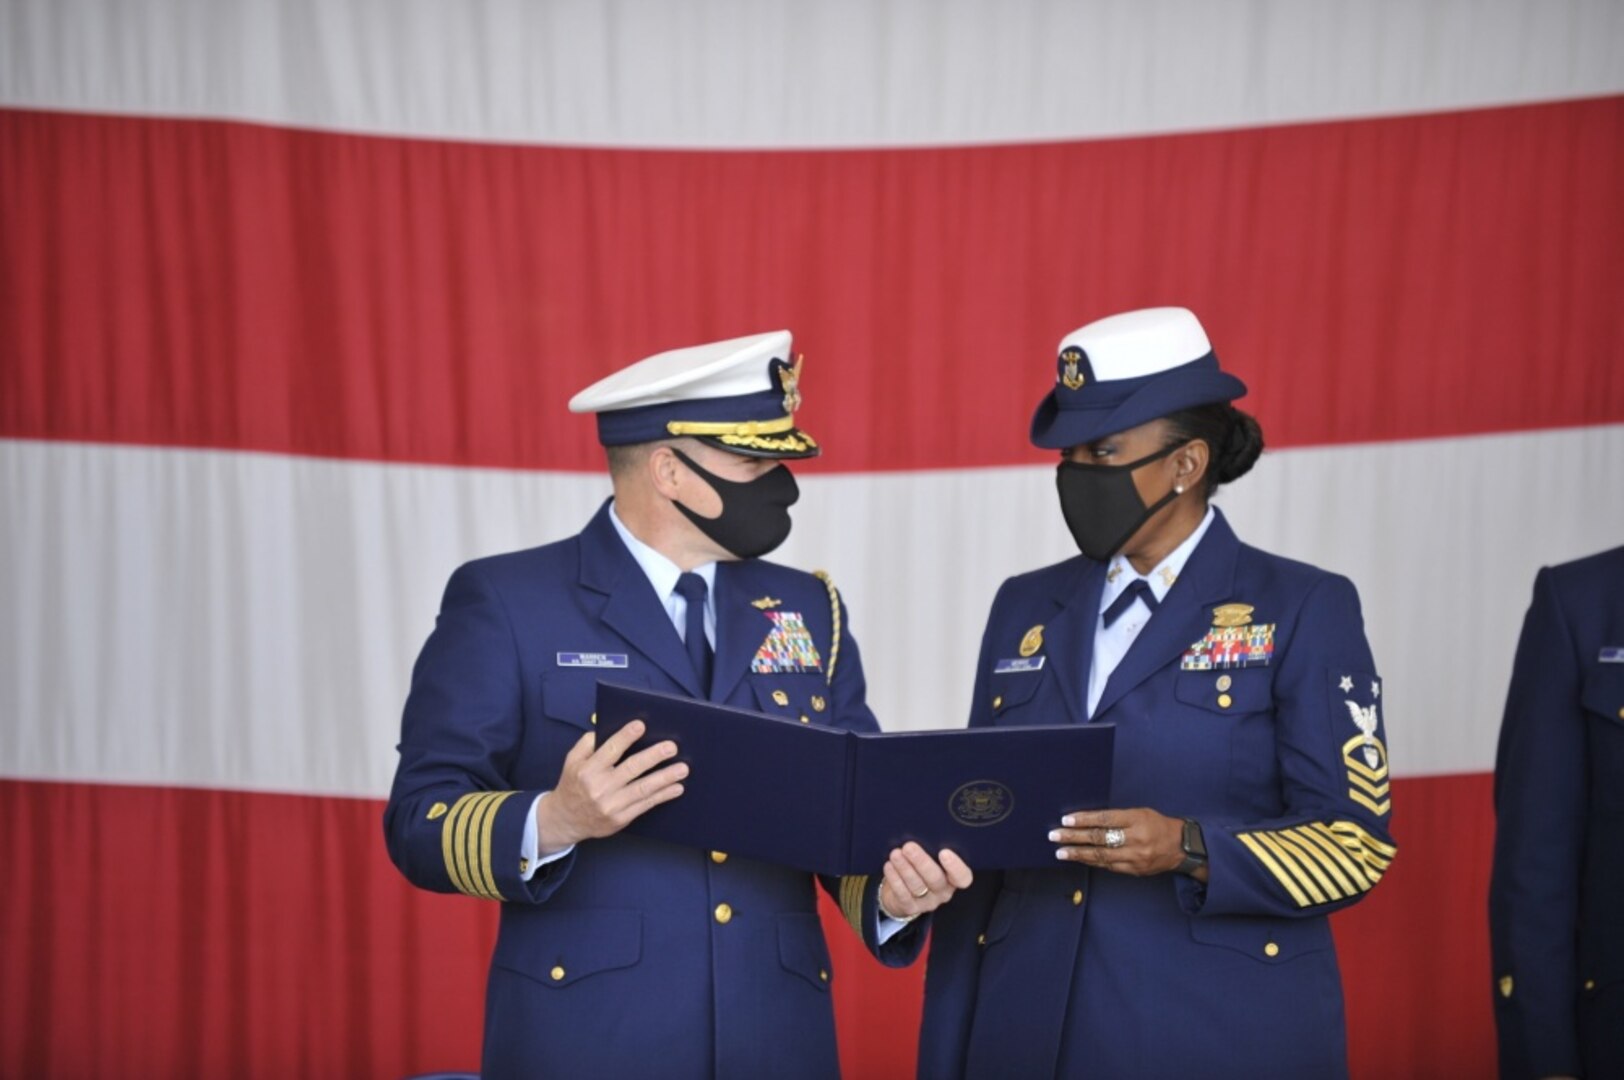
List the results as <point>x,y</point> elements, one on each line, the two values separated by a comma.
<point>249,621</point>
<point>731,73</point>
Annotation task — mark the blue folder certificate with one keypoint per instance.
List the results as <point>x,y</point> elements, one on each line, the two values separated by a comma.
<point>837,802</point>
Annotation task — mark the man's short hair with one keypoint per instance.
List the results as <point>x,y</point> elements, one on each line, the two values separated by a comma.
<point>624,460</point>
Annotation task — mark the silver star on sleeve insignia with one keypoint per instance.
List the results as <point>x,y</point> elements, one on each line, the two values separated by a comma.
<point>1346,684</point>
<point>1375,688</point>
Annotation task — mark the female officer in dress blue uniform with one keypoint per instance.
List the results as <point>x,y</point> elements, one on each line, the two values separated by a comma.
<point>1183,931</point>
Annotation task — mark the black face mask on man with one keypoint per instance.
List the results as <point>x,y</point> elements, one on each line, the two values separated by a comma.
<point>755,513</point>
<point>1102,506</point>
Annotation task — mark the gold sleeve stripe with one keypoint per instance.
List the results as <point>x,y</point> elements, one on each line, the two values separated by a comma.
<point>465,843</point>
<point>447,848</point>
<point>1289,861</point>
<point>1355,879</point>
<point>488,826</point>
<point>1321,865</point>
<point>1375,791</point>
<point>462,844</point>
<point>1345,836</point>
<point>1377,808</point>
<point>852,889</point>
<point>1274,868</point>
<point>448,826</point>
<point>1360,837</point>
<point>1320,862</point>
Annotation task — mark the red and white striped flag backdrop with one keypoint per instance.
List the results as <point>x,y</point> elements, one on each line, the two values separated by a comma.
<point>292,297</point>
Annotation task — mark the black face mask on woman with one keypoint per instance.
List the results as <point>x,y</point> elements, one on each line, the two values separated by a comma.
<point>1102,506</point>
<point>755,513</point>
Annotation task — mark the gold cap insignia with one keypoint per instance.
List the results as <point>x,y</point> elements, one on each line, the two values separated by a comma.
<point>437,811</point>
<point>790,379</point>
<point>1033,641</point>
<point>1226,615</point>
<point>1071,375</point>
<point>765,603</point>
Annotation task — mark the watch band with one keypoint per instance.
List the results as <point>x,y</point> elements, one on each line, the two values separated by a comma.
<point>1194,846</point>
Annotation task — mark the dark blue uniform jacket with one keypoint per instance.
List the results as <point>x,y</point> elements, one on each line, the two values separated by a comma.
<point>1249,702</point>
<point>1556,902</point>
<point>621,959</point>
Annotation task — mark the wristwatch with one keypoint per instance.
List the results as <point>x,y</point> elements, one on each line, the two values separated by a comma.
<point>1194,846</point>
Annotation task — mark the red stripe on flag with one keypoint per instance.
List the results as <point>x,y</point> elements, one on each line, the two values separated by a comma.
<point>228,285</point>
<point>169,931</point>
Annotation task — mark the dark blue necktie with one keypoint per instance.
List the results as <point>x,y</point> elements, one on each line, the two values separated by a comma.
<point>691,587</point>
<point>1139,590</point>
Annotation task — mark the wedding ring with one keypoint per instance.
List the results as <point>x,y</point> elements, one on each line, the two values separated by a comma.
<point>921,894</point>
<point>1115,837</point>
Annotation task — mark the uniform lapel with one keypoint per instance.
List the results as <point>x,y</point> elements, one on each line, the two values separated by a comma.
<point>1183,615</point>
<point>630,607</point>
<point>1069,638</point>
<point>740,628</point>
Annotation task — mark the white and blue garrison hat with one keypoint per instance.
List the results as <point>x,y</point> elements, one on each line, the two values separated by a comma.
<point>1126,370</point>
<point>740,395</point>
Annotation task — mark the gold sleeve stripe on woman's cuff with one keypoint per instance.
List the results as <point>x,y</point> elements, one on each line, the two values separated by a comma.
<point>852,889</point>
<point>1371,853</point>
<point>1321,862</point>
<point>1318,864</point>
<point>1351,874</point>
<point>1289,861</point>
<point>1273,867</point>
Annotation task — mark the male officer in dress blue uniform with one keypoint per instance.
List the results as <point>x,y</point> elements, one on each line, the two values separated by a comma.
<point>1183,931</point>
<point>620,956</point>
<point>1556,901</point>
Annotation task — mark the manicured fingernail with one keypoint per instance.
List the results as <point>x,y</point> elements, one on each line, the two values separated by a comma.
<point>1068,821</point>
<point>1060,853</point>
<point>1054,834</point>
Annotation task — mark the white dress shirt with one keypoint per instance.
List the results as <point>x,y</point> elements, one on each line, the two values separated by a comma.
<point>1111,643</point>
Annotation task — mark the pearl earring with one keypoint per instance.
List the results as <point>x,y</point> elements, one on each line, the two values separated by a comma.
<point>1178,489</point>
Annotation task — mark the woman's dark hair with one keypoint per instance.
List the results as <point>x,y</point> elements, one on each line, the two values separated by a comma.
<point>1233,439</point>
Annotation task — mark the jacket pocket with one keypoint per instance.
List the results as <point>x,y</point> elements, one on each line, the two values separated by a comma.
<point>564,947</point>
<point>1266,940</point>
<point>803,950</point>
<point>1603,691</point>
<point>1011,690</point>
<point>571,696</point>
<point>792,695</point>
<point>1243,690</point>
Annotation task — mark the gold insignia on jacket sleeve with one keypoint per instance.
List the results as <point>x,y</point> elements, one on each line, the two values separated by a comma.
<point>1319,862</point>
<point>852,888</point>
<point>465,843</point>
<point>437,811</point>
